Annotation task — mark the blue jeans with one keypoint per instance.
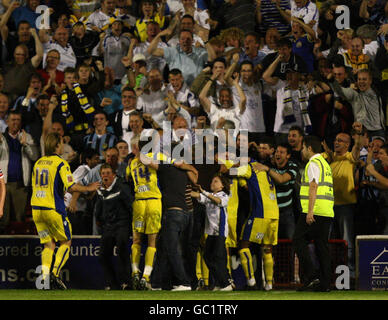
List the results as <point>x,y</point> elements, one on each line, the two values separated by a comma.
<point>286,223</point>
<point>169,257</point>
<point>344,220</point>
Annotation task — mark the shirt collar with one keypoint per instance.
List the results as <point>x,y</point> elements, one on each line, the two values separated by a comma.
<point>111,186</point>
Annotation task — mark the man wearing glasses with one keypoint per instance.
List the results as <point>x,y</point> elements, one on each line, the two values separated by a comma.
<point>53,78</point>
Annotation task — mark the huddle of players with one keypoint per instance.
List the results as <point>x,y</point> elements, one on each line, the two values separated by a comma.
<point>52,176</point>
<point>221,203</point>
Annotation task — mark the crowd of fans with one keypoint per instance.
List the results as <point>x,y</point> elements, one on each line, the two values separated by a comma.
<point>278,68</point>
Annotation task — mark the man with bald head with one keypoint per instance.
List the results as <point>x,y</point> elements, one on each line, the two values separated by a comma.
<point>60,42</point>
<point>343,163</point>
<point>152,101</point>
<point>366,103</point>
<point>180,135</point>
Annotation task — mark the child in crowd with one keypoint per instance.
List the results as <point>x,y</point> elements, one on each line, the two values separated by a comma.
<point>216,229</point>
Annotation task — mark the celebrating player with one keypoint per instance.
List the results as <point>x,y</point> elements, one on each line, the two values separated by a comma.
<point>262,224</point>
<point>51,178</point>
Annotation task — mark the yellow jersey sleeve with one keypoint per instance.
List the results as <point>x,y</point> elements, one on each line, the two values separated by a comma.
<point>244,171</point>
<point>66,176</point>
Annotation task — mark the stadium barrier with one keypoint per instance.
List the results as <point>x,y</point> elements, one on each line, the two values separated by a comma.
<point>372,262</point>
<point>20,257</point>
<point>286,274</point>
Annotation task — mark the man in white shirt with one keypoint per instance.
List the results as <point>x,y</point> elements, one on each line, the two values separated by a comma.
<point>76,203</point>
<point>100,19</point>
<point>61,43</point>
<point>225,108</point>
<point>201,17</point>
<point>153,100</point>
<point>114,46</point>
<point>306,10</point>
<point>187,22</point>
<point>152,62</point>
<point>120,119</point>
<point>368,34</point>
<point>315,221</point>
<point>135,128</point>
<point>183,94</point>
<point>292,101</point>
<point>253,118</point>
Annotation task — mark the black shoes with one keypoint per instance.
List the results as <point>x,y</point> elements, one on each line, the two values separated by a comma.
<point>252,288</point>
<point>314,286</point>
<point>309,286</point>
<point>136,282</point>
<point>56,283</point>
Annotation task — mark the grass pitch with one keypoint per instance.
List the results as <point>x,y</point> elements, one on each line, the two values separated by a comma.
<point>71,294</point>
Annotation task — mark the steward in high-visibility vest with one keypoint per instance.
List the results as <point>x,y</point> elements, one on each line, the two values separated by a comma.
<point>324,202</point>
<point>317,201</point>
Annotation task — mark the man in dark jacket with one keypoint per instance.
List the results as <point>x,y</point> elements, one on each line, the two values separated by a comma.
<point>114,215</point>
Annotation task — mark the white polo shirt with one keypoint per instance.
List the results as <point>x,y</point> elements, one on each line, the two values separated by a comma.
<point>98,19</point>
<point>153,102</point>
<point>153,62</point>
<point>68,58</point>
<point>232,114</point>
<point>307,13</point>
<point>253,118</point>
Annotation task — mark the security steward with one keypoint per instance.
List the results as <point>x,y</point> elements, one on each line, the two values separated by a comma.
<point>114,215</point>
<point>317,201</point>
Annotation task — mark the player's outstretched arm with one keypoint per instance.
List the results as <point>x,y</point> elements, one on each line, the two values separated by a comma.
<point>89,188</point>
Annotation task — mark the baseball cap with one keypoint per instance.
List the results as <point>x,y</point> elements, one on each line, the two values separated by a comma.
<point>139,57</point>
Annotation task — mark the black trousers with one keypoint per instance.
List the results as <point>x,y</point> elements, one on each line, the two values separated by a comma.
<point>216,259</point>
<point>111,237</point>
<point>319,232</point>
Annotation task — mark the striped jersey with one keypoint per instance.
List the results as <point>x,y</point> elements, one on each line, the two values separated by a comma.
<point>100,142</point>
<point>284,191</point>
<point>271,17</point>
<point>216,222</point>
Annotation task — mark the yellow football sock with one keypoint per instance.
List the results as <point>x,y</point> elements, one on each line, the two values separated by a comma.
<point>198,266</point>
<point>47,259</point>
<point>149,262</point>
<point>61,257</point>
<point>229,262</point>
<point>268,266</point>
<point>246,262</point>
<point>135,258</point>
<point>205,272</point>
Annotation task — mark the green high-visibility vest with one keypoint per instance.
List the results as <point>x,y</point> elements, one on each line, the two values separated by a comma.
<point>325,198</point>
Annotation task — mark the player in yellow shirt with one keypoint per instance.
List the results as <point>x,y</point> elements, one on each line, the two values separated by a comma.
<point>262,224</point>
<point>235,182</point>
<point>51,178</point>
<point>147,211</point>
